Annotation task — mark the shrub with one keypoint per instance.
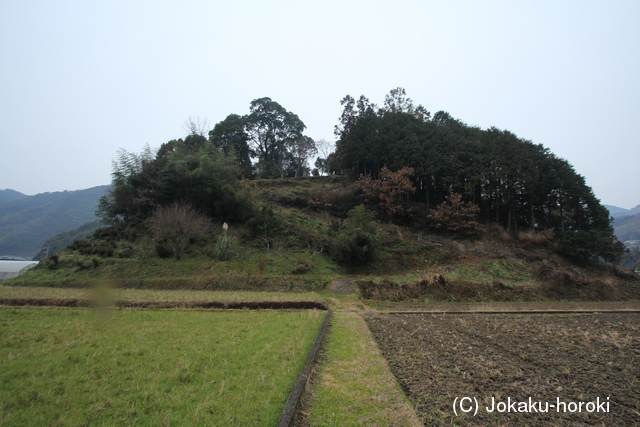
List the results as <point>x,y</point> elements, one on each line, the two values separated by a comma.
<point>356,243</point>
<point>93,247</point>
<point>302,267</point>
<point>542,238</point>
<point>388,190</point>
<point>264,223</point>
<point>225,247</point>
<point>125,252</point>
<point>52,262</point>
<point>435,284</point>
<point>581,246</point>
<point>456,216</point>
<point>172,227</point>
<point>163,251</point>
<point>336,201</point>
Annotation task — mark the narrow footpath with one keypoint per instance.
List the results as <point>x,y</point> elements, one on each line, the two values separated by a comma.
<point>341,285</point>
<point>354,385</point>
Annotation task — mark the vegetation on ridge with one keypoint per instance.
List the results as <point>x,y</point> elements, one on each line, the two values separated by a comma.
<point>401,182</point>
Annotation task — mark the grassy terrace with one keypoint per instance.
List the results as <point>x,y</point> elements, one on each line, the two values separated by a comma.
<point>156,295</point>
<point>258,270</point>
<point>150,367</point>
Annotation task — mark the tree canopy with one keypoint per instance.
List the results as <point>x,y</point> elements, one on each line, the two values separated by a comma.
<point>514,182</point>
<point>191,171</point>
<point>270,135</point>
<point>206,173</point>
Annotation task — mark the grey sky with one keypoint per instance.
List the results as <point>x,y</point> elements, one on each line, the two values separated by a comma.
<point>80,79</point>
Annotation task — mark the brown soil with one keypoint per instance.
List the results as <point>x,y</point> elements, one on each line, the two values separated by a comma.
<point>508,307</point>
<point>572,357</point>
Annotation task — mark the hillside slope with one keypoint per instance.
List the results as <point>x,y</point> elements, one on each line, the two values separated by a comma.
<point>303,219</point>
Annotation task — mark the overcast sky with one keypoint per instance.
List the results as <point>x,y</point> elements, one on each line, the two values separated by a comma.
<point>80,79</point>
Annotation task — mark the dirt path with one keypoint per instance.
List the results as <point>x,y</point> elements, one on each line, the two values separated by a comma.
<point>342,285</point>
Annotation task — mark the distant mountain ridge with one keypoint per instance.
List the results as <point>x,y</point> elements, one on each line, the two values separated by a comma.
<point>10,195</point>
<point>60,241</point>
<point>627,227</point>
<point>616,211</point>
<point>27,221</point>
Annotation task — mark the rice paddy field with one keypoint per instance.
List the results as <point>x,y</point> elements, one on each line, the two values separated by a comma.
<point>63,367</point>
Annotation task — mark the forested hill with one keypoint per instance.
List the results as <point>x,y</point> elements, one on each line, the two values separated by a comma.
<point>10,195</point>
<point>512,181</point>
<point>402,162</point>
<point>26,222</point>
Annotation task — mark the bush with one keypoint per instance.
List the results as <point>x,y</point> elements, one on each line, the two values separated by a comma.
<point>225,247</point>
<point>163,251</point>
<point>457,216</point>
<point>265,223</point>
<point>389,190</point>
<point>356,243</point>
<point>387,290</point>
<point>302,267</point>
<point>172,227</point>
<point>543,238</point>
<point>581,246</point>
<point>93,247</point>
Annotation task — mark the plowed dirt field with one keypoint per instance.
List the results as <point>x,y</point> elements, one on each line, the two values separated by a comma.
<point>583,369</point>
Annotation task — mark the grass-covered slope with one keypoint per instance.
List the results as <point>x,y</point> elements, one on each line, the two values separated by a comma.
<point>289,246</point>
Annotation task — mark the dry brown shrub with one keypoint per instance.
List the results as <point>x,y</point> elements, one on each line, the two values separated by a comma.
<point>537,237</point>
<point>456,216</point>
<point>388,290</point>
<point>624,273</point>
<point>388,190</point>
<point>175,225</point>
<point>496,232</point>
<point>434,279</point>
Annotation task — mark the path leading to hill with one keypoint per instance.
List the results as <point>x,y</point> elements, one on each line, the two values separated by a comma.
<point>341,285</point>
<point>353,384</point>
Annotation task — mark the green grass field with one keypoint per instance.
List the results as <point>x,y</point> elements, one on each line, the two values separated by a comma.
<point>150,367</point>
